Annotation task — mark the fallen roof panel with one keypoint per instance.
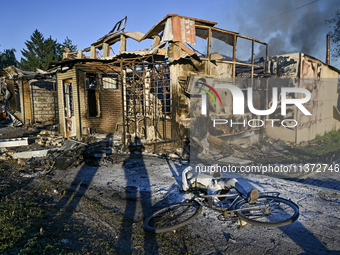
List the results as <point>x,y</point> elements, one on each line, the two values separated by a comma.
<point>136,35</point>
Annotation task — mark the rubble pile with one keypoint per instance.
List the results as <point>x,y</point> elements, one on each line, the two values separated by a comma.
<point>50,139</point>
<point>48,151</point>
<point>5,154</point>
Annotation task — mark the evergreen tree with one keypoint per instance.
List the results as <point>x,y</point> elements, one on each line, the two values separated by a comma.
<point>51,52</point>
<point>68,44</point>
<point>40,52</point>
<point>33,56</point>
<point>7,58</point>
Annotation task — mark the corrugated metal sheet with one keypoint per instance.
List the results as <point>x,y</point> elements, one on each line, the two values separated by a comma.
<point>168,30</point>
<point>179,30</point>
<point>176,29</point>
<point>190,31</point>
<point>160,26</point>
<point>179,50</point>
<point>175,52</point>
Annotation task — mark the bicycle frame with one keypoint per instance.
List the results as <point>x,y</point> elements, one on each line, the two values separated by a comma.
<point>230,210</point>
<point>268,204</point>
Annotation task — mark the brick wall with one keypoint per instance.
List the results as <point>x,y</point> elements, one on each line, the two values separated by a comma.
<point>44,101</point>
<point>110,104</point>
<point>110,107</point>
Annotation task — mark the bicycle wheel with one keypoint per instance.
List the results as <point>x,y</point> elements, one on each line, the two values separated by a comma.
<point>268,211</point>
<point>172,217</point>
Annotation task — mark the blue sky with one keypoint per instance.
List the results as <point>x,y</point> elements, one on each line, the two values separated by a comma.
<point>288,26</point>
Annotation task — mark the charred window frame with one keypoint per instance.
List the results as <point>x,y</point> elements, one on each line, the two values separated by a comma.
<point>110,81</point>
<point>92,95</point>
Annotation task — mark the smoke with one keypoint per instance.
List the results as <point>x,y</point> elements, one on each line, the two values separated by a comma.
<point>301,30</point>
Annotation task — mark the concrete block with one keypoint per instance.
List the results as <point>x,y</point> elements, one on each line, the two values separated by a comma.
<point>14,142</point>
<point>30,154</point>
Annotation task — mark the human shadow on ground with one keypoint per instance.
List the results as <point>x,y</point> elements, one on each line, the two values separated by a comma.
<point>330,183</point>
<point>307,241</point>
<point>64,209</point>
<point>137,193</point>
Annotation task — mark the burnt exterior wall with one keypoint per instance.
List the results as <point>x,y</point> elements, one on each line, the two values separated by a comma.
<point>61,77</point>
<point>110,106</point>
<point>180,73</point>
<point>33,101</point>
<point>322,82</point>
<point>44,101</point>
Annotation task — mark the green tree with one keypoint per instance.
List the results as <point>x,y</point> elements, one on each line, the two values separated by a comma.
<point>68,44</point>
<point>40,52</point>
<point>7,58</point>
<point>33,56</point>
<point>51,51</point>
<point>335,34</point>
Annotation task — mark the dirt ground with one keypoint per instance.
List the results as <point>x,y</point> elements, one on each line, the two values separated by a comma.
<point>99,209</point>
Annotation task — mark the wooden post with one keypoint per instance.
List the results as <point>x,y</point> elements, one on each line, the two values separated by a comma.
<point>156,41</point>
<point>209,50</point>
<point>234,57</point>
<point>122,46</point>
<point>80,54</point>
<point>252,62</point>
<point>123,99</point>
<point>93,52</point>
<point>106,50</point>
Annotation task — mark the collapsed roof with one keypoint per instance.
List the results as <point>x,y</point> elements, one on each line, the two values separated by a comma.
<point>173,38</point>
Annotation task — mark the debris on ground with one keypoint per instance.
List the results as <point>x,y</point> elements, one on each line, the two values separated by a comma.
<point>47,150</point>
<point>13,142</point>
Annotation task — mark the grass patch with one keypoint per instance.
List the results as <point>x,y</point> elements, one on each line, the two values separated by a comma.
<point>25,221</point>
<point>37,217</point>
<point>321,145</point>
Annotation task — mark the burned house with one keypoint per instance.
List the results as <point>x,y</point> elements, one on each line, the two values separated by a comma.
<point>322,81</point>
<point>147,93</point>
<point>90,99</point>
<point>33,95</point>
<point>148,97</point>
<point>90,89</point>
